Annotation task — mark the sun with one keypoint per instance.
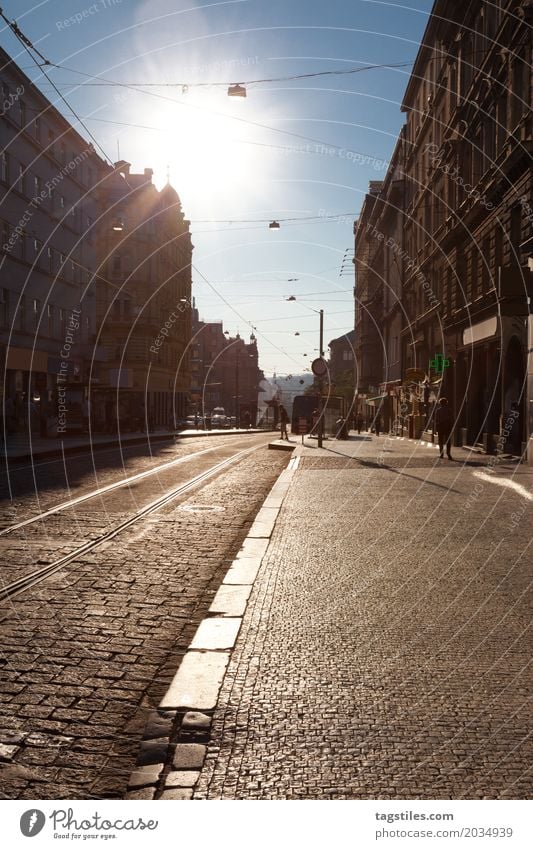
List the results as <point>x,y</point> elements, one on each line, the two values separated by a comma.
<point>203,148</point>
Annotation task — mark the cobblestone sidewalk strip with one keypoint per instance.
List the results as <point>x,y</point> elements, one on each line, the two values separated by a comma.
<point>185,712</point>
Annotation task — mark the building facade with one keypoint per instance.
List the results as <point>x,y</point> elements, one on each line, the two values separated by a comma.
<point>48,208</point>
<point>225,372</point>
<point>143,301</point>
<point>368,293</point>
<point>465,164</point>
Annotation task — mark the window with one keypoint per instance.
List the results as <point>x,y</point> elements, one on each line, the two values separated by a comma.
<point>4,307</point>
<point>488,140</point>
<point>50,316</point>
<point>36,186</point>
<point>116,265</point>
<point>62,321</point>
<point>21,181</point>
<point>36,310</point>
<point>515,234</point>
<point>520,90</point>
<point>22,113</point>
<point>116,310</point>
<point>22,245</point>
<point>485,280</point>
<point>62,202</point>
<point>5,235</point>
<point>63,153</point>
<point>501,119</point>
<point>498,247</point>
<point>37,128</point>
<point>51,140</point>
<point>22,313</point>
<point>5,167</point>
<point>127,308</point>
<point>73,272</point>
<point>50,253</point>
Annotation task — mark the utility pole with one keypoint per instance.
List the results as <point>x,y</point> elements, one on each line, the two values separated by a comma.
<point>237,422</point>
<point>320,383</point>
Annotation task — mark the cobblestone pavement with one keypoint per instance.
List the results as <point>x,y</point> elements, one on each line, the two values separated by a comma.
<point>386,648</point>
<point>30,488</point>
<point>59,534</point>
<point>90,651</point>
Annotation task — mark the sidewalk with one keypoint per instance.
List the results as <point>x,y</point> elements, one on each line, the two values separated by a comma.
<point>383,652</point>
<point>20,448</point>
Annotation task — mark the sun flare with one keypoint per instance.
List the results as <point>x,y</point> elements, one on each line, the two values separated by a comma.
<point>203,151</point>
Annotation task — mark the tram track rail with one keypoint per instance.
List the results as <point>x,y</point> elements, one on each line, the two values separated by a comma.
<point>30,580</point>
<point>103,490</point>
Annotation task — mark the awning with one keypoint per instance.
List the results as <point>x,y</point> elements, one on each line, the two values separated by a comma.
<point>377,398</point>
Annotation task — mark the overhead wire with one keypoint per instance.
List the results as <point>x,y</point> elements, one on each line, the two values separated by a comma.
<point>28,46</point>
<point>288,78</point>
<point>238,118</point>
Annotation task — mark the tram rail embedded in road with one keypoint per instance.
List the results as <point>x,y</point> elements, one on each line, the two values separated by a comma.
<point>38,575</point>
<point>163,467</point>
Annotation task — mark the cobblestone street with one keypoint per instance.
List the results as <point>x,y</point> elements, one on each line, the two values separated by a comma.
<point>92,648</point>
<point>386,648</point>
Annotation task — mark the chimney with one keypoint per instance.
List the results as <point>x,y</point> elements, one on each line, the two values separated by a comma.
<point>148,172</point>
<point>123,167</point>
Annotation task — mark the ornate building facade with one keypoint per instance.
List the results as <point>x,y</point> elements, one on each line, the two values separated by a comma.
<point>464,159</point>
<point>48,209</point>
<point>143,301</point>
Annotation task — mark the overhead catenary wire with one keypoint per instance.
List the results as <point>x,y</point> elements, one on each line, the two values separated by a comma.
<point>28,46</point>
<point>215,83</point>
<point>239,118</point>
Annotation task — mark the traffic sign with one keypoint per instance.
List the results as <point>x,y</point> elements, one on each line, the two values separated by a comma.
<point>319,367</point>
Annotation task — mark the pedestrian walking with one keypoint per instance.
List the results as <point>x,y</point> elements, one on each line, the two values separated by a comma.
<point>196,420</point>
<point>283,421</point>
<point>444,425</point>
<point>377,423</point>
<point>359,422</point>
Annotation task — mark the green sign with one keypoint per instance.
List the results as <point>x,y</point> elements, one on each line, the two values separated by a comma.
<point>439,363</point>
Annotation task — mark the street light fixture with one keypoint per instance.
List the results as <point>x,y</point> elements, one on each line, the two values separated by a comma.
<point>237,90</point>
<point>274,225</point>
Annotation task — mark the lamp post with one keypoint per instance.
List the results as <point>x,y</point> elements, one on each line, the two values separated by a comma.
<point>320,383</point>
<point>320,373</point>
<point>237,416</point>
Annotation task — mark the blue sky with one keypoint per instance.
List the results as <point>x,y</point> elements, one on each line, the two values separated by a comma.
<point>228,158</point>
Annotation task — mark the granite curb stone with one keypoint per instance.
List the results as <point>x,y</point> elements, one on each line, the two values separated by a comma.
<point>196,685</point>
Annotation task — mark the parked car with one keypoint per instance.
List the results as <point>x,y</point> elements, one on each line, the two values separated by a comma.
<point>218,417</point>
<point>193,421</point>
